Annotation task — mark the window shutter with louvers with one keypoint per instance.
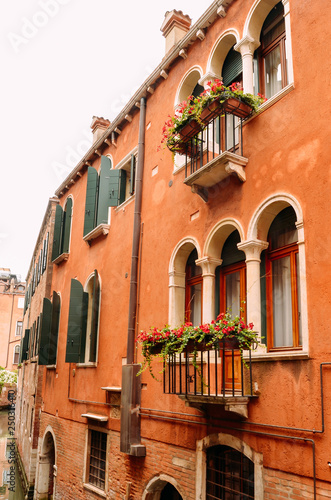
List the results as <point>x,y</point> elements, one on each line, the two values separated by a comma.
<point>76,338</point>
<point>45,332</point>
<point>95,317</point>
<point>66,226</point>
<point>103,194</point>
<point>56,251</point>
<point>90,203</point>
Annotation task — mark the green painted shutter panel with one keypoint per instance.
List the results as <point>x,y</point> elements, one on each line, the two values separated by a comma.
<point>232,67</point>
<point>95,317</point>
<point>103,193</point>
<point>90,203</point>
<point>56,251</point>
<point>45,332</point>
<point>132,174</point>
<point>76,323</point>
<point>66,226</point>
<point>25,347</point>
<point>54,332</point>
<point>117,187</point>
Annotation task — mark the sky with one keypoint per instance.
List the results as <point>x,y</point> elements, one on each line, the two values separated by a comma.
<point>64,61</point>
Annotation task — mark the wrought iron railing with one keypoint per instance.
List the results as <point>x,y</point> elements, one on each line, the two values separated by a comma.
<point>216,372</point>
<point>221,134</point>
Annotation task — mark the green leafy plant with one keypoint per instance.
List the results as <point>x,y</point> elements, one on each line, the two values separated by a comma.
<point>161,343</point>
<point>7,377</point>
<point>193,107</point>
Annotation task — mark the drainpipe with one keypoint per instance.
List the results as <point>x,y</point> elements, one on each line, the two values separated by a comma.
<point>10,325</point>
<point>131,384</point>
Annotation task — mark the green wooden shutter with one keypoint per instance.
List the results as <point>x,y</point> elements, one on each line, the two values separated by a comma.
<point>25,345</point>
<point>90,203</point>
<point>45,252</point>
<point>117,187</point>
<point>54,332</point>
<point>232,67</point>
<point>66,226</point>
<point>76,338</point>
<point>133,174</point>
<point>103,194</point>
<point>45,332</point>
<point>56,251</point>
<point>94,317</point>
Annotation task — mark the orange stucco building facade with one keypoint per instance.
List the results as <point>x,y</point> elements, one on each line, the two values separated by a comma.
<point>250,225</point>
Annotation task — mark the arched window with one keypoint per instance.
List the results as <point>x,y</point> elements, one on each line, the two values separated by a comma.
<point>16,354</point>
<point>232,73</point>
<point>230,474</point>
<point>62,229</point>
<point>83,321</point>
<point>193,290</point>
<point>280,285</point>
<point>231,278</point>
<point>271,54</point>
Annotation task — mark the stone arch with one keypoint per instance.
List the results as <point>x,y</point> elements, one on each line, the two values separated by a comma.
<point>218,235</point>
<point>46,467</point>
<point>177,279</point>
<point>259,225</point>
<point>256,17</point>
<point>236,444</point>
<point>220,50</point>
<point>155,486</point>
<point>187,84</point>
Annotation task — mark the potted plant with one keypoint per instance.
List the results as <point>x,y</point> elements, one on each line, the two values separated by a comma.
<point>218,334</point>
<point>194,114</point>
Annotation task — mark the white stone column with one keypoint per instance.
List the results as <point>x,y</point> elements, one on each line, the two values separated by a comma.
<point>208,266</point>
<point>253,249</point>
<point>246,47</point>
<point>288,42</point>
<point>176,298</point>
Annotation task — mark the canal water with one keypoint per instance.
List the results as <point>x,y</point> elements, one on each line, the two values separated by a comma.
<point>10,486</point>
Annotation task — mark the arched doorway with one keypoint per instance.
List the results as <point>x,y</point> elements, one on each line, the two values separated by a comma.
<point>46,469</point>
<point>169,492</point>
<point>162,487</point>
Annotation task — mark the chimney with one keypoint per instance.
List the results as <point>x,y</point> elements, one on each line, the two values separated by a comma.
<point>98,126</point>
<point>174,27</point>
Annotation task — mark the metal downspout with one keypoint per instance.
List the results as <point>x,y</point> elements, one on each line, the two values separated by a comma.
<point>136,236</point>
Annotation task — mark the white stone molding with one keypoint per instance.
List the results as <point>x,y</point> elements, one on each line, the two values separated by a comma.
<point>128,118</point>
<point>183,53</point>
<point>187,84</point>
<point>208,77</point>
<point>157,483</point>
<point>220,50</point>
<point>221,11</point>
<point>164,74</point>
<point>200,34</point>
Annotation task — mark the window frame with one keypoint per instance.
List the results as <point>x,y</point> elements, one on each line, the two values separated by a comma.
<point>191,281</point>
<point>291,251</point>
<point>19,328</point>
<point>87,482</point>
<point>16,354</point>
<point>224,272</point>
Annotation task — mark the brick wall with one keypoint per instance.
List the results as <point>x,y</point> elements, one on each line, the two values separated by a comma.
<point>161,459</point>
<point>279,484</point>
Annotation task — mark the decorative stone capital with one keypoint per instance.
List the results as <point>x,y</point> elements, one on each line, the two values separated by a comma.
<point>247,46</point>
<point>208,265</point>
<point>210,76</point>
<point>253,249</point>
<point>177,279</point>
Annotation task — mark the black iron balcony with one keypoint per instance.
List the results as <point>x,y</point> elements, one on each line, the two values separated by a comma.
<point>215,153</point>
<point>215,376</point>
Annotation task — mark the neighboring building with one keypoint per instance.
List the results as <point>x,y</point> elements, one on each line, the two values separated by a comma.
<point>30,377</point>
<point>12,292</point>
<point>143,238</point>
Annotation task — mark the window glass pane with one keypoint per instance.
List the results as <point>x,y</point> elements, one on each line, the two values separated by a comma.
<point>195,304</point>
<point>273,72</point>
<point>299,298</point>
<point>232,131</point>
<point>232,285</point>
<point>282,302</point>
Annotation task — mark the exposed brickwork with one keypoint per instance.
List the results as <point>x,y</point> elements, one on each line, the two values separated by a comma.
<point>278,485</point>
<point>122,469</point>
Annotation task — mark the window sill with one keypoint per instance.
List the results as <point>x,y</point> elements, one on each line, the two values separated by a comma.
<point>261,354</point>
<point>95,490</point>
<point>86,365</point>
<point>61,258</point>
<point>101,229</point>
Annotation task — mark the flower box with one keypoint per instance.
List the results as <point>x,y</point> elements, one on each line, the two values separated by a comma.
<point>183,148</point>
<point>212,110</point>
<point>236,107</point>
<point>189,130</point>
